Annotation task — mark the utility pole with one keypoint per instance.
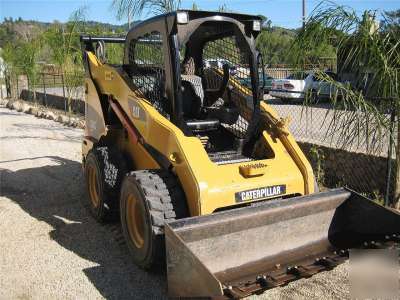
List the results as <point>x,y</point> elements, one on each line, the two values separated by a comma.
<point>304,13</point>
<point>129,17</point>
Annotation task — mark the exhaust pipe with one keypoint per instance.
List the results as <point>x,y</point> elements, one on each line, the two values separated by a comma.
<point>247,250</point>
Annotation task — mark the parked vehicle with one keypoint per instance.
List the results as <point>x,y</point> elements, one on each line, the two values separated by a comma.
<point>219,63</point>
<point>268,82</point>
<point>299,84</point>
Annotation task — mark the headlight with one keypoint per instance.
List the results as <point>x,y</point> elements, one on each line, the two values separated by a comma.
<point>182,17</point>
<point>256,25</point>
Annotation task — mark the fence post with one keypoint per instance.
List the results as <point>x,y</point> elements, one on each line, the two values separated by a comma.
<point>1,89</point>
<point>17,95</point>
<point>44,90</point>
<point>65,101</point>
<point>389,158</point>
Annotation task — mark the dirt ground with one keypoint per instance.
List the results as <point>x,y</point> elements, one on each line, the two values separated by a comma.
<point>51,247</point>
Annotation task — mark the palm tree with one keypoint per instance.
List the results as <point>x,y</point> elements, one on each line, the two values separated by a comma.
<point>371,54</point>
<point>65,50</point>
<point>134,8</point>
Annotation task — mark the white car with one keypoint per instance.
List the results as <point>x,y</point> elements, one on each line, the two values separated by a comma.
<point>219,63</point>
<point>298,84</point>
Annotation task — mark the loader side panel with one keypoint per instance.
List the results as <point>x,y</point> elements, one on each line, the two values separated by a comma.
<point>94,117</point>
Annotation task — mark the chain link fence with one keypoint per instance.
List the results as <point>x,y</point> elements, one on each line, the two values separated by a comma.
<point>50,90</point>
<point>360,162</point>
<point>367,168</point>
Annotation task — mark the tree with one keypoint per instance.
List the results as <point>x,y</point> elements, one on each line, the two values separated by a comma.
<point>63,41</point>
<point>10,59</point>
<point>27,53</point>
<point>265,22</point>
<point>132,8</point>
<point>223,8</point>
<point>391,21</point>
<point>274,45</point>
<point>195,6</point>
<point>20,57</point>
<point>371,55</point>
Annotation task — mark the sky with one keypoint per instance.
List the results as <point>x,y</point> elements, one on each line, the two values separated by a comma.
<point>285,13</point>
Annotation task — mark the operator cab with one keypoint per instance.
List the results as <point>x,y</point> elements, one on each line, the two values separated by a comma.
<point>190,70</point>
<point>215,54</point>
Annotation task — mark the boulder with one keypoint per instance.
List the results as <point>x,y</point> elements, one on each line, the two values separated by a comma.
<point>50,115</point>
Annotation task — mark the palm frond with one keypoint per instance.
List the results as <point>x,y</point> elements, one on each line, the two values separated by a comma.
<point>371,55</point>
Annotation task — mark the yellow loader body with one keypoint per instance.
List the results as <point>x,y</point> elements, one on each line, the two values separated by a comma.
<point>207,186</point>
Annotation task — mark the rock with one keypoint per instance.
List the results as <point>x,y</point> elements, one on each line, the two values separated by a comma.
<point>59,119</point>
<point>25,107</point>
<point>72,122</point>
<point>9,104</point>
<point>81,124</point>
<point>4,102</point>
<point>19,108</point>
<point>64,119</point>
<point>41,114</point>
<point>33,111</point>
<point>16,105</point>
<point>50,115</point>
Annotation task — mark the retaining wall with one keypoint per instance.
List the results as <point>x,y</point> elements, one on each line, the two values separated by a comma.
<point>53,101</point>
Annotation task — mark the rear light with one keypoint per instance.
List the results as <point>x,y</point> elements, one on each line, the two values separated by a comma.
<point>288,86</point>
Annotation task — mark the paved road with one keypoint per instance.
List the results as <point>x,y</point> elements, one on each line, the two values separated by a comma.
<point>52,248</point>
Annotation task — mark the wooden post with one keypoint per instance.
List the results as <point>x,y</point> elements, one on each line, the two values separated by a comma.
<point>44,89</point>
<point>65,102</point>
<point>17,94</point>
<point>389,158</point>
<point>396,195</point>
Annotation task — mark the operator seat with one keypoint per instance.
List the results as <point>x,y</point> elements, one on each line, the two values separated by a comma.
<point>193,99</point>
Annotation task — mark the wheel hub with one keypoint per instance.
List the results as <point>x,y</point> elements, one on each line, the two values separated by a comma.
<point>135,221</point>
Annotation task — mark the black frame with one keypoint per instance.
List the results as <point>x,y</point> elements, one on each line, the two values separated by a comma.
<point>174,35</point>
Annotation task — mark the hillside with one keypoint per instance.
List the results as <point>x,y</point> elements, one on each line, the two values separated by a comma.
<point>12,30</point>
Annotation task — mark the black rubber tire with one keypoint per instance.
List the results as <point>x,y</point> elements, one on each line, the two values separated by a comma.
<point>161,200</point>
<point>110,169</point>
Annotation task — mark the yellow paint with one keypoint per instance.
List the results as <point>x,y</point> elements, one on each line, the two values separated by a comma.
<point>207,186</point>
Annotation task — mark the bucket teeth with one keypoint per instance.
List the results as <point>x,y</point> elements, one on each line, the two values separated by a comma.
<point>325,262</point>
<point>302,271</point>
<point>262,280</point>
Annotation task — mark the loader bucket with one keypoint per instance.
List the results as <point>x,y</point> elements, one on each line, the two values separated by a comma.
<point>244,251</point>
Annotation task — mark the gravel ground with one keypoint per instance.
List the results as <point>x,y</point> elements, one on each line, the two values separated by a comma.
<point>52,248</point>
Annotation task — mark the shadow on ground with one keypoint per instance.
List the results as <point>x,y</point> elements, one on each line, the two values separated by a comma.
<point>55,195</point>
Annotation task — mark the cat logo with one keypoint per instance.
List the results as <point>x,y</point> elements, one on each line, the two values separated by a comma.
<point>261,193</point>
<point>136,110</point>
<point>108,75</point>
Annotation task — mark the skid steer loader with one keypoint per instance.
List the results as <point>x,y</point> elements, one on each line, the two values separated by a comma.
<point>204,173</point>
